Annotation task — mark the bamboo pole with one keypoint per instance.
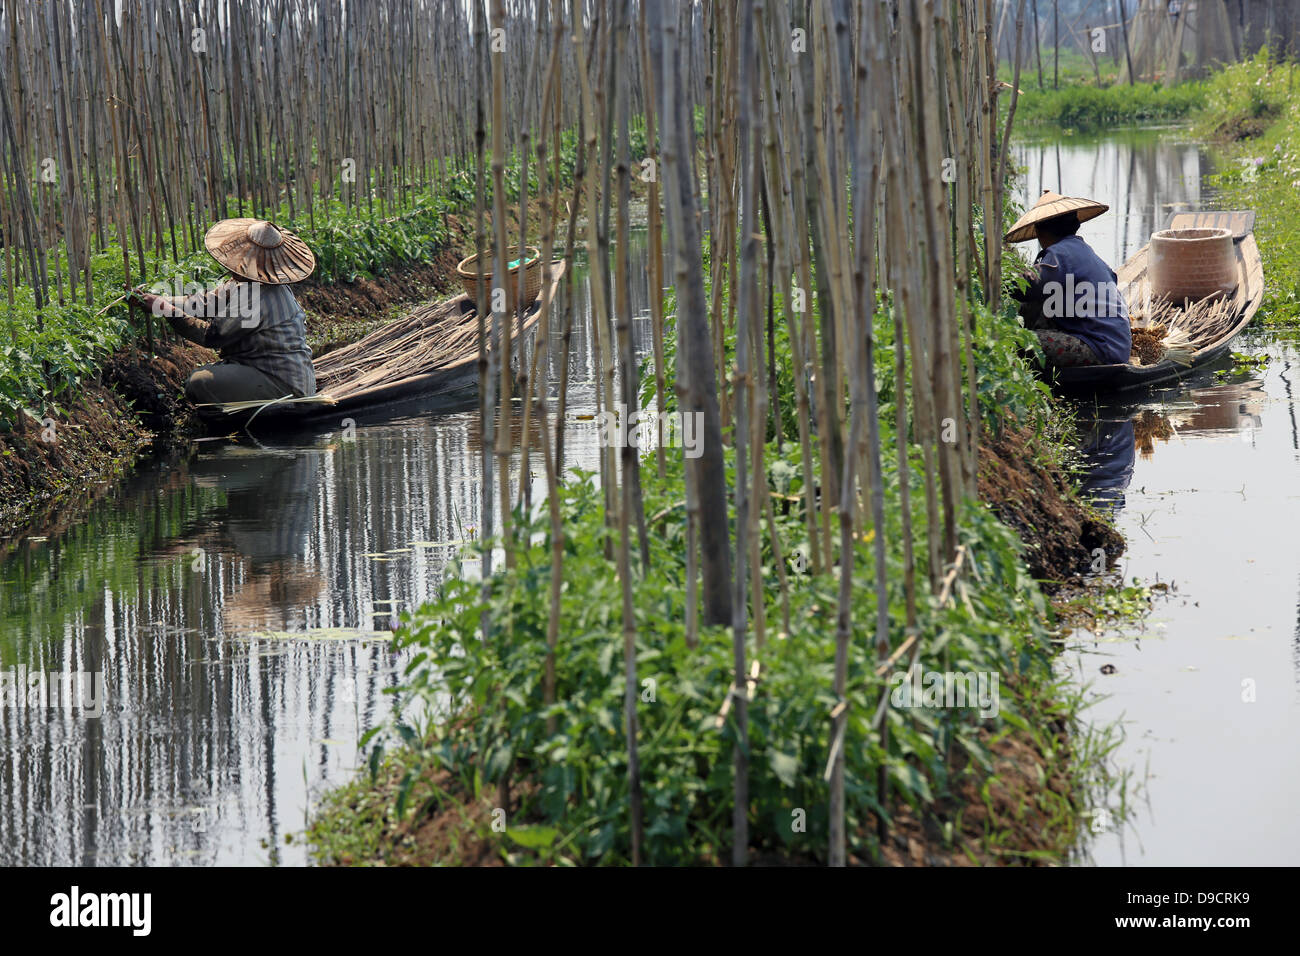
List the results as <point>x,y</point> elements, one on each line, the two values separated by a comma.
<point>656,240</point>
<point>630,506</point>
<point>486,378</point>
<point>1038,51</point>
<point>994,238</point>
<point>501,338</point>
<point>1056,44</point>
<point>700,394</point>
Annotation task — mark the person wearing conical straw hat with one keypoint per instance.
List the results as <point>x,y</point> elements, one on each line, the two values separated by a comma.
<point>1072,300</point>
<point>252,319</point>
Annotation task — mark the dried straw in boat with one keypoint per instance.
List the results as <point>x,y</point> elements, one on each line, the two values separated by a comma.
<point>1180,331</point>
<point>430,338</point>
<point>433,337</point>
<point>243,406</point>
<point>258,405</point>
<point>1148,344</point>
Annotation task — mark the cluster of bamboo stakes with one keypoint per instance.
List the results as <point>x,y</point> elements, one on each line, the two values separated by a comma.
<point>847,149</point>
<point>141,122</point>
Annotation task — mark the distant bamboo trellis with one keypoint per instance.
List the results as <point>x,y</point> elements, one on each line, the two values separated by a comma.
<point>145,120</point>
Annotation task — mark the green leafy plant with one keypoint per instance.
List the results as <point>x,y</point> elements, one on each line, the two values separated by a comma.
<point>474,712</point>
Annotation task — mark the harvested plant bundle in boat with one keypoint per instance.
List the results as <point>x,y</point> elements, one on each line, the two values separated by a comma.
<point>1180,331</point>
<point>430,338</point>
<point>246,404</point>
<point>1148,344</point>
<point>1205,322</point>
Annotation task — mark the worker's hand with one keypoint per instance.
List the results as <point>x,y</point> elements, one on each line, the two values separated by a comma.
<point>137,293</point>
<point>156,304</point>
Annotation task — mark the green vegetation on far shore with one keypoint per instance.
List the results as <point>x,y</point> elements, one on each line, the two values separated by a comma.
<point>1080,95</point>
<point>1085,108</point>
<point>1253,106</point>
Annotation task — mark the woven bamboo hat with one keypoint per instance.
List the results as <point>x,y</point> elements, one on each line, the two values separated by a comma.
<point>259,250</point>
<point>1049,206</point>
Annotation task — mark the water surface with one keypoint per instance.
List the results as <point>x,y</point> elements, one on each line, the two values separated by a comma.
<point>1203,481</point>
<point>237,602</point>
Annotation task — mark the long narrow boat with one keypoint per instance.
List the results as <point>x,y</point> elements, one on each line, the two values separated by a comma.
<point>431,354</point>
<point>1133,283</point>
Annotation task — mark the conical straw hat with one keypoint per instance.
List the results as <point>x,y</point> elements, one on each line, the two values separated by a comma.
<point>259,250</point>
<point>1049,206</point>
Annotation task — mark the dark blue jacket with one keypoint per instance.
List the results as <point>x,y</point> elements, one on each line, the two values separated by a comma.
<point>1080,295</point>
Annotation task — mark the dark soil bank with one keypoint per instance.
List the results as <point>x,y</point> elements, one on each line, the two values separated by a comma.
<point>1061,533</point>
<point>154,387</point>
<point>411,283</point>
<point>137,404</point>
<point>57,463</point>
<point>1236,129</point>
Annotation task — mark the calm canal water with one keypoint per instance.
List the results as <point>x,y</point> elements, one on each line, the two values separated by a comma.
<point>1204,483</point>
<point>237,602</point>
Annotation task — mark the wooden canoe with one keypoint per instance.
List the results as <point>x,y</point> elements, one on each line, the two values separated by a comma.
<point>350,382</point>
<point>1107,379</point>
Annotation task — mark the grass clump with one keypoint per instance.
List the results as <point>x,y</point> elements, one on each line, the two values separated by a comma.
<point>1086,108</point>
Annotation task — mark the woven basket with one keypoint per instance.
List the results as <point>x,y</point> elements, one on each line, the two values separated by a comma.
<point>532,279</point>
<point>1193,264</point>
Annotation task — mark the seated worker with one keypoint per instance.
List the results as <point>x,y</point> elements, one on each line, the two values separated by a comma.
<point>1072,302</point>
<point>255,325</point>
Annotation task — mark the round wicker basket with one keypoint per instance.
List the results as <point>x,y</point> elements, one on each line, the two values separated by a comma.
<point>468,273</point>
<point>1193,264</point>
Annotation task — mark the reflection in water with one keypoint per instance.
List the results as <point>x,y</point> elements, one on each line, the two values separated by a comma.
<point>264,532</point>
<point>1206,686</point>
<point>1150,428</point>
<point>236,604</point>
<point>1107,449</point>
<point>1108,439</point>
<point>1142,174</point>
<point>1232,407</point>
